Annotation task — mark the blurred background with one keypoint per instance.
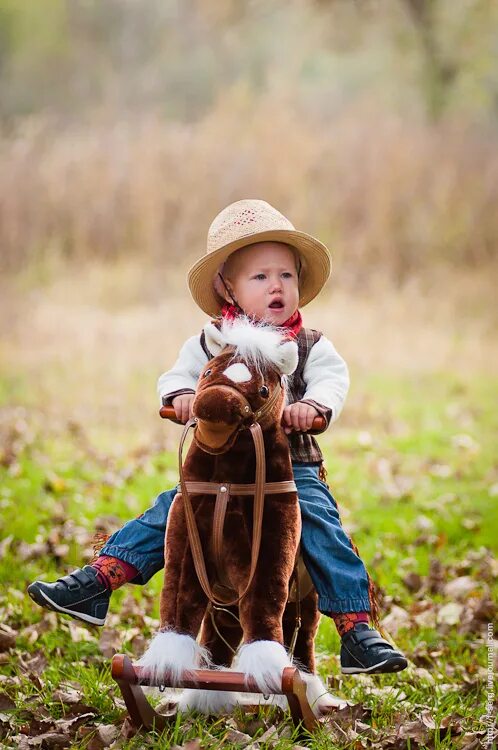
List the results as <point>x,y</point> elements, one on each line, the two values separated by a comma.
<point>125,127</point>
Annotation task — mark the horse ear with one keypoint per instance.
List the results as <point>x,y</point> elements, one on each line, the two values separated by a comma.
<point>215,341</point>
<point>288,357</point>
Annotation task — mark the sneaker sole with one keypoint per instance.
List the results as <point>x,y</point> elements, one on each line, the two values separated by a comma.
<point>47,603</point>
<point>388,665</point>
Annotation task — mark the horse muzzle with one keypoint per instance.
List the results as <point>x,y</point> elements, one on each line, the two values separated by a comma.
<point>220,412</point>
<point>215,438</point>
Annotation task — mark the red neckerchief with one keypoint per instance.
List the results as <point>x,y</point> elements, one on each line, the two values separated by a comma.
<point>292,325</point>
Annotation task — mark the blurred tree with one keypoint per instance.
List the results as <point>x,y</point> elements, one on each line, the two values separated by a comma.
<point>76,58</point>
<point>446,52</point>
<point>34,47</point>
<point>440,71</point>
<point>449,40</point>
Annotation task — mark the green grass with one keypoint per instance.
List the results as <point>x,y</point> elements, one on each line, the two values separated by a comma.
<point>413,467</point>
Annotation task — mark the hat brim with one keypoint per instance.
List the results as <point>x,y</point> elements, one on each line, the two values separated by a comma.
<point>315,258</point>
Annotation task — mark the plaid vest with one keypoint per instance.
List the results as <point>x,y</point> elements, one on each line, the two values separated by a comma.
<point>303,446</point>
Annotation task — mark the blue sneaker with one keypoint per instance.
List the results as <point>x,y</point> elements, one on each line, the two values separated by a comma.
<point>80,595</point>
<point>364,650</point>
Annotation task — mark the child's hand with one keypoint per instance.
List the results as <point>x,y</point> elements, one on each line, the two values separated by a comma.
<point>183,406</point>
<point>299,417</point>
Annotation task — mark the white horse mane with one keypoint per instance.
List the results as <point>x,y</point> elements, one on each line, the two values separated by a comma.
<point>257,343</point>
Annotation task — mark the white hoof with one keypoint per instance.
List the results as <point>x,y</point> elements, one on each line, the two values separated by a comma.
<point>171,655</point>
<point>318,696</point>
<point>207,701</point>
<point>263,661</point>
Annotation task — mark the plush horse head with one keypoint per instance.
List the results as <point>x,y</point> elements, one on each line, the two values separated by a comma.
<point>243,383</point>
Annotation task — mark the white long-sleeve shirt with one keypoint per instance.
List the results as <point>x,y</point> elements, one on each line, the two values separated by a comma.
<point>321,379</point>
<point>325,374</point>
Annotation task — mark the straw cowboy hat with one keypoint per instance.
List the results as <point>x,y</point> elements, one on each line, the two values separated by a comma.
<point>244,223</point>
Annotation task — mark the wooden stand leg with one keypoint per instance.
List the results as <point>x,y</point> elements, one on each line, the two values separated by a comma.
<point>294,689</point>
<point>142,714</point>
<point>130,678</point>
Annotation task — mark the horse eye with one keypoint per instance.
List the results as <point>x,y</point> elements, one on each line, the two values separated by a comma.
<point>264,391</point>
<point>208,372</point>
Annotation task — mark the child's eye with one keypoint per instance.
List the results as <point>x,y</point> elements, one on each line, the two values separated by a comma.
<point>260,277</point>
<point>287,275</point>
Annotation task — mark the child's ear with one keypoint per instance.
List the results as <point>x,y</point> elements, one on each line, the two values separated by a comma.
<point>220,289</point>
<point>215,341</point>
<point>288,357</point>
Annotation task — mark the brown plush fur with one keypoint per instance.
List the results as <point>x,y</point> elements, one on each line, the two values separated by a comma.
<point>262,611</point>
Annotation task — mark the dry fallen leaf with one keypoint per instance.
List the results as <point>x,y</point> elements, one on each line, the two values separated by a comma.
<point>413,582</point>
<point>21,742</point>
<point>27,551</point>
<point>36,664</point>
<point>6,702</point>
<point>396,619</point>
<point>67,695</point>
<point>271,735</point>
<point>437,576</point>
<point>37,724</point>
<point>103,737</point>
<point>192,745</point>
<point>128,730</point>
<point>424,523</point>
<point>460,588</point>
<point>414,730</point>
<point>70,725</point>
<point>110,642</point>
<point>238,738</point>
<point>7,637</point>
<point>79,634</point>
<point>50,741</point>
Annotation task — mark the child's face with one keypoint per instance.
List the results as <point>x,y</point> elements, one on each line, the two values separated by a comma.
<point>263,279</point>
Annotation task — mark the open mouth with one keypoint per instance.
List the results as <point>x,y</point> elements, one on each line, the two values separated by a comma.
<point>276,305</point>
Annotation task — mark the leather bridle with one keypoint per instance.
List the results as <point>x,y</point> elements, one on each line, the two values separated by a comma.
<point>223,491</point>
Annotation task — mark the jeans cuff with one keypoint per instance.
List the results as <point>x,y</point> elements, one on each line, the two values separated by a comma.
<point>327,605</point>
<point>142,563</point>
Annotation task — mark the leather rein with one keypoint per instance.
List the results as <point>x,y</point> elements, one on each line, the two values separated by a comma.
<point>223,491</point>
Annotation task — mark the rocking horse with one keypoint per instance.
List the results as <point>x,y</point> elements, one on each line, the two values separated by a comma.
<point>232,542</point>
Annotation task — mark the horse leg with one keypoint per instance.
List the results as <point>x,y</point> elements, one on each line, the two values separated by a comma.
<point>304,650</point>
<point>174,650</point>
<point>221,641</point>
<point>318,696</point>
<point>262,656</point>
<point>222,650</point>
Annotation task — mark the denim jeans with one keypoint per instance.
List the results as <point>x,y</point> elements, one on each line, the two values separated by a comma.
<point>337,572</point>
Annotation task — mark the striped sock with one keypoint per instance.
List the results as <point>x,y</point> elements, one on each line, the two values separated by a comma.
<point>113,572</point>
<point>345,621</point>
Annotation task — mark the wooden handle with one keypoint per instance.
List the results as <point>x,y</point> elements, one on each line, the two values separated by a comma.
<point>168,412</point>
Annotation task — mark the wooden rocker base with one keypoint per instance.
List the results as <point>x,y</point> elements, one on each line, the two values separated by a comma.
<point>130,679</point>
